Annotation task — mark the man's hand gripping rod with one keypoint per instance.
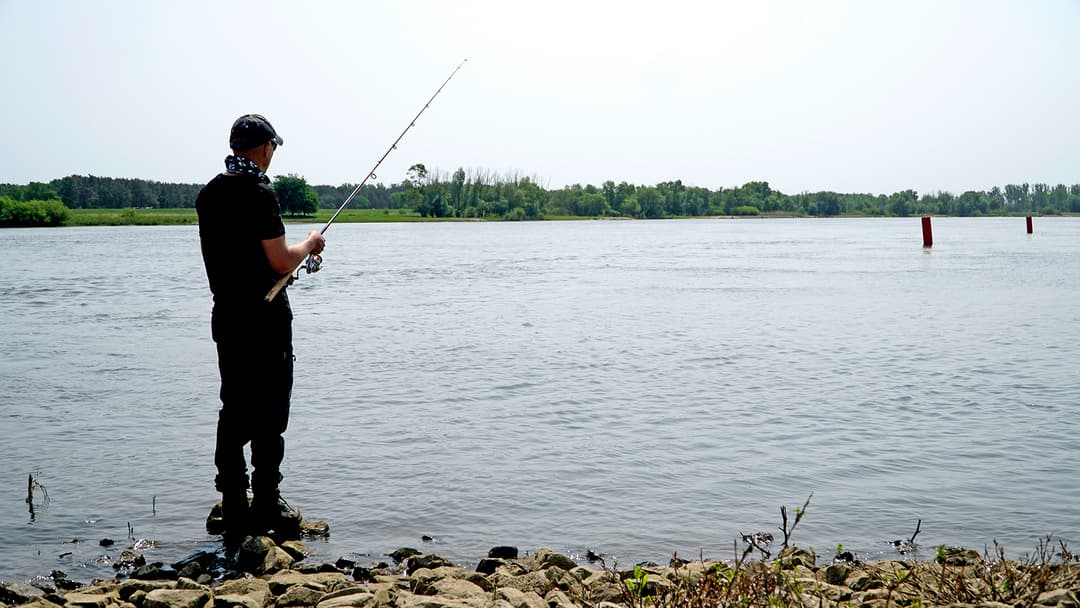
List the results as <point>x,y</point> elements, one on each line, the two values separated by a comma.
<point>313,261</point>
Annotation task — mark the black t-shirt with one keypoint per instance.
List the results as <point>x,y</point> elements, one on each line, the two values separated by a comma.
<point>236,214</point>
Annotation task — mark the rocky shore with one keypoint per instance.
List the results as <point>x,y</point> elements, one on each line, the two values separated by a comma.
<point>262,574</point>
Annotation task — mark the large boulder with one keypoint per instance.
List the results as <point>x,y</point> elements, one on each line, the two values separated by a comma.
<point>176,598</point>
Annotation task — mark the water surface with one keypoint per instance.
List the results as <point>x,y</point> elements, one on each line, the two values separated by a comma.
<point>634,388</point>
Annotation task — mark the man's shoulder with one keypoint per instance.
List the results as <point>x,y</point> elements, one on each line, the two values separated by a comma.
<point>232,185</point>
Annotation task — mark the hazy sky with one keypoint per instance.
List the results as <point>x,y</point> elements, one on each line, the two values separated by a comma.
<point>851,96</point>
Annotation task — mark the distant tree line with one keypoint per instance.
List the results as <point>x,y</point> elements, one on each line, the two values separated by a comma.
<point>92,192</point>
<point>482,194</point>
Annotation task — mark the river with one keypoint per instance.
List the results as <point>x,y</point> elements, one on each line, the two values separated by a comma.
<point>635,388</point>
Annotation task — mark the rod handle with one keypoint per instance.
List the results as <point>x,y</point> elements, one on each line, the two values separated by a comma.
<point>282,282</point>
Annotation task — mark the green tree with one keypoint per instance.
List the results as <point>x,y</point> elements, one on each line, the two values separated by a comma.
<point>827,203</point>
<point>650,202</point>
<point>1018,197</point>
<point>1040,196</point>
<point>295,196</point>
<point>1059,198</point>
<point>416,176</point>
<point>457,189</point>
<point>969,203</point>
<point>902,203</point>
<point>1074,198</point>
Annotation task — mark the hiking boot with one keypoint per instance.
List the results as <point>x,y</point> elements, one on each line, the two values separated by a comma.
<point>275,516</point>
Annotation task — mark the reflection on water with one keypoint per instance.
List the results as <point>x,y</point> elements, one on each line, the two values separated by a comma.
<point>634,388</point>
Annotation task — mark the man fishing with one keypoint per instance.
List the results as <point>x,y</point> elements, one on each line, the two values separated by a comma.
<point>245,253</point>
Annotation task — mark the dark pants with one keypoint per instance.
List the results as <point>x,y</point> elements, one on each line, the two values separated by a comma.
<point>256,385</point>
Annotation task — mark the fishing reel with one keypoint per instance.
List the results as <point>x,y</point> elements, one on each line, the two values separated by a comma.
<point>312,264</point>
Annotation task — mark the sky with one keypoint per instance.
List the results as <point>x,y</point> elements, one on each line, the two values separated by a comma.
<point>870,96</point>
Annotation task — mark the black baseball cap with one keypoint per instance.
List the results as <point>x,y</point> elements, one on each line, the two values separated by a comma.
<point>252,130</point>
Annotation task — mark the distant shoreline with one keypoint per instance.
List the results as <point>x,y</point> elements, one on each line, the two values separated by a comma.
<point>188,216</point>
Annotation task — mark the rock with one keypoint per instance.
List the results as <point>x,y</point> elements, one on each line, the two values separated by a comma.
<point>154,572</point>
<point>537,582</point>
<point>521,599</point>
<point>323,581</point>
<point>137,598</point>
<point>351,591</point>
<point>836,574</point>
<point>426,560</point>
<point>176,598</point>
<point>833,593</point>
<point>344,563</point>
<point>408,600</point>
<point>958,556</point>
<point>314,529</point>
<point>40,602</point>
<point>62,582</point>
<point>861,581</point>
<point>214,524</point>
<point>358,598</point>
<point>276,559</point>
<point>187,583</point>
<point>403,554</point>
<point>255,588</point>
<point>871,597</point>
<point>503,552</point>
<point>422,579</point>
<point>191,571</point>
<point>375,594</point>
<point>361,574</point>
<point>296,549</point>
<point>253,553</point>
<point>86,600</point>
<point>489,565</point>
<point>558,599</point>
<point>456,588</point>
<point>550,559</point>
<point>235,601</point>
<point>846,556</point>
<point>299,595</point>
<point>129,560</point>
<point>792,556</point>
<point>315,568</point>
<point>19,593</point>
<point>480,581</point>
<point>580,573</point>
<point>129,588</point>
<point>206,560</point>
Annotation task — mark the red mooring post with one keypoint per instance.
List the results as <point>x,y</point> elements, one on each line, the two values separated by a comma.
<point>1029,224</point>
<point>927,232</point>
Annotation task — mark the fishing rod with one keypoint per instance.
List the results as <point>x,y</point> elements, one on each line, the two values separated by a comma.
<point>314,261</point>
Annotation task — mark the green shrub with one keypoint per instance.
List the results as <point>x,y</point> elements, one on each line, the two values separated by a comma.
<point>31,213</point>
<point>745,210</point>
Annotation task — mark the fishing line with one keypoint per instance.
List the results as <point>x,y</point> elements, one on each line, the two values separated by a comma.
<point>314,261</point>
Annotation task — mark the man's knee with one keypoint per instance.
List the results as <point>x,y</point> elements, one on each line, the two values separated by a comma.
<point>229,482</point>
